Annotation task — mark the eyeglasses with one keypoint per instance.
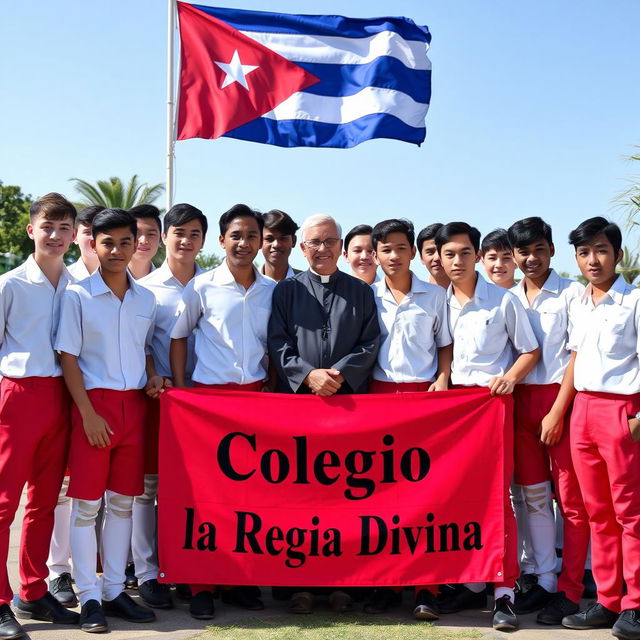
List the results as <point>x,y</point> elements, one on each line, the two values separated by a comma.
<point>329,243</point>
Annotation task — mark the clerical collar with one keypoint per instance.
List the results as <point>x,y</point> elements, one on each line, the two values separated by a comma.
<point>323,279</point>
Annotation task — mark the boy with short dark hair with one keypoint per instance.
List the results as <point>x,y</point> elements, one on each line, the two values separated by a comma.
<point>34,410</point>
<point>147,218</point>
<point>605,425</point>
<point>106,324</point>
<point>278,239</point>
<point>358,252</point>
<point>497,258</point>
<point>429,256</point>
<point>87,263</point>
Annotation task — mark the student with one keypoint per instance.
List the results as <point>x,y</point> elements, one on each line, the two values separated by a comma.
<point>87,263</point>
<point>278,240</point>
<point>238,296</point>
<point>546,298</point>
<point>185,229</point>
<point>429,255</point>
<point>105,324</point>
<point>149,229</point>
<point>497,258</point>
<point>604,369</point>
<point>358,252</point>
<point>488,326</point>
<point>34,410</point>
<point>415,351</point>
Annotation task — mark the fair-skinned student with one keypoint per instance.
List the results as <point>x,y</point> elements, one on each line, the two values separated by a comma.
<point>148,239</point>
<point>358,252</point>
<point>497,259</point>
<point>489,326</point>
<point>106,324</point>
<point>34,410</point>
<point>185,229</point>
<point>429,255</point>
<point>418,360</point>
<point>546,297</point>
<point>604,370</point>
<point>240,297</point>
<point>278,240</point>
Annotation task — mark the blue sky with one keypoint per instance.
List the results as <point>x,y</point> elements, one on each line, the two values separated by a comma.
<point>534,109</point>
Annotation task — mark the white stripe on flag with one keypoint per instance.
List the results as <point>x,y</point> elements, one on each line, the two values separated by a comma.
<point>307,106</point>
<point>336,50</point>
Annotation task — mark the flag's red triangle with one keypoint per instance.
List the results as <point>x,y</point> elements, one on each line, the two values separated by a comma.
<point>206,110</point>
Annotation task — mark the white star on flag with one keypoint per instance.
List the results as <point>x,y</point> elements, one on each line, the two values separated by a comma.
<point>236,71</point>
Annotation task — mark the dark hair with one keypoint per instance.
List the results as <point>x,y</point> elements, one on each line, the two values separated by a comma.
<point>86,215</point>
<point>113,219</point>
<point>240,211</point>
<point>447,231</point>
<point>52,206</point>
<point>427,234</point>
<point>146,211</point>
<point>358,230</point>
<point>280,221</point>
<point>183,213</point>
<point>497,239</point>
<point>528,231</point>
<point>394,225</point>
<point>587,230</point>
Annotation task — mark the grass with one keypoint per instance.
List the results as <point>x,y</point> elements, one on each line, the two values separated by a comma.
<point>327,626</point>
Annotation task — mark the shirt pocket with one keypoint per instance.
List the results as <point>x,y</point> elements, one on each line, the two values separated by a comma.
<point>553,325</point>
<point>485,328</point>
<point>417,328</point>
<point>611,331</point>
<point>141,329</point>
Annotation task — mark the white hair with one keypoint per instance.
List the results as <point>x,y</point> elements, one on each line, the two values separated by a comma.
<point>315,220</point>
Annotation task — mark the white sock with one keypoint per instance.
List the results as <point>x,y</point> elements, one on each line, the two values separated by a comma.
<point>543,533</point>
<point>476,587</point>
<point>143,535</point>
<point>116,537</point>
<point>83,549</point>
<point>59,558</point>
<point>525,551</point>
<point>504,591</point>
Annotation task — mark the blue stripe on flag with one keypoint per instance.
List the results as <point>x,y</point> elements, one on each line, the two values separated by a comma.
<point>307,133</point>
<point>384,72</point>
<point>317,25</point>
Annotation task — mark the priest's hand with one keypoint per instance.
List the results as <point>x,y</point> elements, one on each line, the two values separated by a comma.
<point>324,382</point>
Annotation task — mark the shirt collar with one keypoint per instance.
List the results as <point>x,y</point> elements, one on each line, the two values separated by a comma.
<point>34,272</point>
<point>99,287</point>
<point>316,277</point>
<point>417,286</point>
<point>617,292</point>
<point>164,273</point>
<point>222,275</point>
<point>551,284</point>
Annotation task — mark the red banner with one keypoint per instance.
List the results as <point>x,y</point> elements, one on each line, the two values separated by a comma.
<point>367,490</point>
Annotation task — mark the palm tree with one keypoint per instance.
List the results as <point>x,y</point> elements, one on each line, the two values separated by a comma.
<point>113,193</point>
<point>629,266</point>
<point>629,199</point>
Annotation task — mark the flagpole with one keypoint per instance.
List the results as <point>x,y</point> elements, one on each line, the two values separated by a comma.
<point>171,26</point>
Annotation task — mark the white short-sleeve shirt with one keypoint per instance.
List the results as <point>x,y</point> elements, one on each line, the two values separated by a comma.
<point>411,332</point>
<point>549,318</point>
<point>79,270</point>
<point>606,340</point>
<point>488,332</point>
<point>168,291</point>
<point>29,315</point>
<point>109,336</point>
<point>230,326</point>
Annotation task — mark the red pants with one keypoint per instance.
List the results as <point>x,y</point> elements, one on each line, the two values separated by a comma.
<point>34,440</point>
<point>232,386</point>
<point>120,466</point>
<point>534,461</point>
<point>381,386</point>
<point>152,434</point>
<point>607,463</point>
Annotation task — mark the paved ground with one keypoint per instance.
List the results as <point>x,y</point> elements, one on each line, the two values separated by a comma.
<point>177,624</point>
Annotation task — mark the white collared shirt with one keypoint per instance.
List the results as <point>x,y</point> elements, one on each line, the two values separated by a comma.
<point>79,270</point>
<point>29,313</point>
<point>230,325</point>
<point>488,332</point>
<point>290,273</point>
<point>109,336</point>
<point>549,318</point>
<point>168,291</point>
<point>606,339</point>
<point>411,332</point>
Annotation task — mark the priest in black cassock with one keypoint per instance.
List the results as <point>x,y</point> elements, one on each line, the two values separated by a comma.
<point>323,332</point>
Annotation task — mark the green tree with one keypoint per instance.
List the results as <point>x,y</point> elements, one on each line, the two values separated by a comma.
<point>208,260</point>
<point>14,217</point>
<point>629,199</point>
<point>629,266</point>
<point>114,193</point>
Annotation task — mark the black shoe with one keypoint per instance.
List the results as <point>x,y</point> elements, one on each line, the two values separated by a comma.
<point>504,617</point>
<point>243,597</point>
<point>558,607</point>
<point>463,598</point>
<point>92,618</point>
<point>124,607</point>
<point>130,580</point>
<point>533,600</point>
<point>183,592</point>
<point>595,616</point>
<point>526,582</point>
<point>61,589</point>
<point>381,599</point>
<point>426,606</point>
<point>9,626</point>
<point>201,606</point>
<point>627,626</point>
<point>590,588</point>
<point>46,608</point>
<point>155,595</point>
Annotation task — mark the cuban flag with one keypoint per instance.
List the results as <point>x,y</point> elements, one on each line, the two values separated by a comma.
<point>301,80</point>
